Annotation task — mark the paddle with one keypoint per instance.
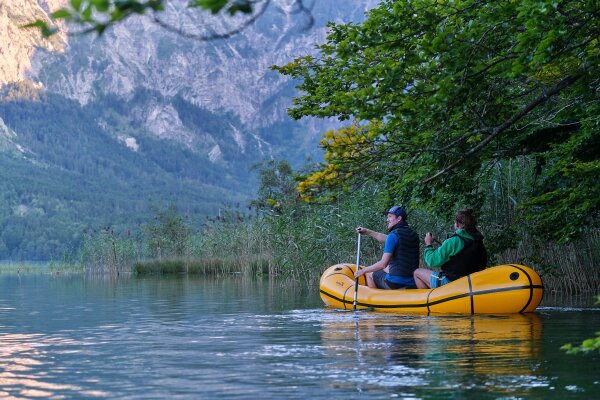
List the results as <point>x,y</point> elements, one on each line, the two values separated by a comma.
<point>357,268</point>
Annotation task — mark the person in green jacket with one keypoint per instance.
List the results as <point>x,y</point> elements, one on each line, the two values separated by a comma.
<point>461,254</point>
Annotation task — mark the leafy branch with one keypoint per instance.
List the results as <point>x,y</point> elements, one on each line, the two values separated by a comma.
<point>96,16</point>
<point>566,82</point>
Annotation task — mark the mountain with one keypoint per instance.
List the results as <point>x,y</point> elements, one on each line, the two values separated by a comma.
<point>93,130</point>
<point>18,46</point>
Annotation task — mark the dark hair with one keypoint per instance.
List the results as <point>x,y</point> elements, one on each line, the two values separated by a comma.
<point>466,218</point>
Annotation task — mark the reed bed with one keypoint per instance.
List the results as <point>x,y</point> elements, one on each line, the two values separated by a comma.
<point>288,238</point>
<point>54,268</point>
<point>106,251</point>
<point>301,244</point>
<point>17,268</point>
<point>572,268</point>
<point>207,266</point>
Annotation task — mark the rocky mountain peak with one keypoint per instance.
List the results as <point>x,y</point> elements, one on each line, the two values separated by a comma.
<point>18,45</point>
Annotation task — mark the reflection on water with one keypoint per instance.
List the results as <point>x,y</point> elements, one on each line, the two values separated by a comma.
<point>469,342</point>
<point>236,337</point>
<point>27,369</point>
<point>447,352</point>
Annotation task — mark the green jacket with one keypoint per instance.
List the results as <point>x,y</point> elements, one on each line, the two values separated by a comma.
<point>452,246</point>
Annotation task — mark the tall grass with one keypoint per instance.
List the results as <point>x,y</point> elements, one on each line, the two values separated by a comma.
<point>54,268</point>
<point>206,266</point>
<point>239,243</point>
<point>302,243</point>
<point>571,268</point>
<point>309,238</point>
<point>106,251</point>
<point>300,240</point>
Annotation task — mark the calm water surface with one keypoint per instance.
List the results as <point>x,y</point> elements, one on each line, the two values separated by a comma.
<point>78,337</point>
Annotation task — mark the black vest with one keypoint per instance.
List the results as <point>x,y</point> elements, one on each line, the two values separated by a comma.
<point>471,258</point>
<point>406,254</point>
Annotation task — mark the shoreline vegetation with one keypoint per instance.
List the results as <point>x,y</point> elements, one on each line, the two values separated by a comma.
<point>565,269</point>
<point>29,267</point>
<point>569,268</point>
<point>280,235</point>
<point>283,235</point>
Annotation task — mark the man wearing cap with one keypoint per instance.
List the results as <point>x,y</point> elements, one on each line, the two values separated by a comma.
<point>400,253</point>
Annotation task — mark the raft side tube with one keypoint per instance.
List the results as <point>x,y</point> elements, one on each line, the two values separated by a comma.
<point>501,289</point>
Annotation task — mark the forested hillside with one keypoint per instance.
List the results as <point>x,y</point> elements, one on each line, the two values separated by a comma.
<point>72,175</point>
<point>98,128</point>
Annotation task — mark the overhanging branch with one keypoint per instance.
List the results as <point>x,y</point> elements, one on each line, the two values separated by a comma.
<point>563,84</point>
<point>212,36</point>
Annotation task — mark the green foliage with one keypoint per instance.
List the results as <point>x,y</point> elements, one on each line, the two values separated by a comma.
<point>167,234</point>
<point>106,251</point>
<point>98,15</point>
<point>442,91</point>
<point>306,238</point>
<point>588,345</point>
<point>567,200</point>
<point>277,187</point>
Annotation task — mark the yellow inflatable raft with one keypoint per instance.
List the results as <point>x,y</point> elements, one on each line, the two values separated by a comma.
<point>501,289</point>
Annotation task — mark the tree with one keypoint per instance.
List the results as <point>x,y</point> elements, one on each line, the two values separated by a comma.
<point>440,91</point>
<point>277,186</point>
<point>168,233</point>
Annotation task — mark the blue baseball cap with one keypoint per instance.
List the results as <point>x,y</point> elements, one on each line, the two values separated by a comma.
<point>397,211</point>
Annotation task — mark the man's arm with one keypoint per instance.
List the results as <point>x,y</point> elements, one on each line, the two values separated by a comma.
<point>381,264</point>
<point>380,237</point>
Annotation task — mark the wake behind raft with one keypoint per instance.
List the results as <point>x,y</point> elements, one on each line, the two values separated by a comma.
<point>502,289</point>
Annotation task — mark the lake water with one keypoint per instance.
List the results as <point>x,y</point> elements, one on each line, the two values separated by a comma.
<point>189,338</point>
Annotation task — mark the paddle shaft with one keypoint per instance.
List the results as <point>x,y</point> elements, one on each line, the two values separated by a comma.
<point>357,268</point>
